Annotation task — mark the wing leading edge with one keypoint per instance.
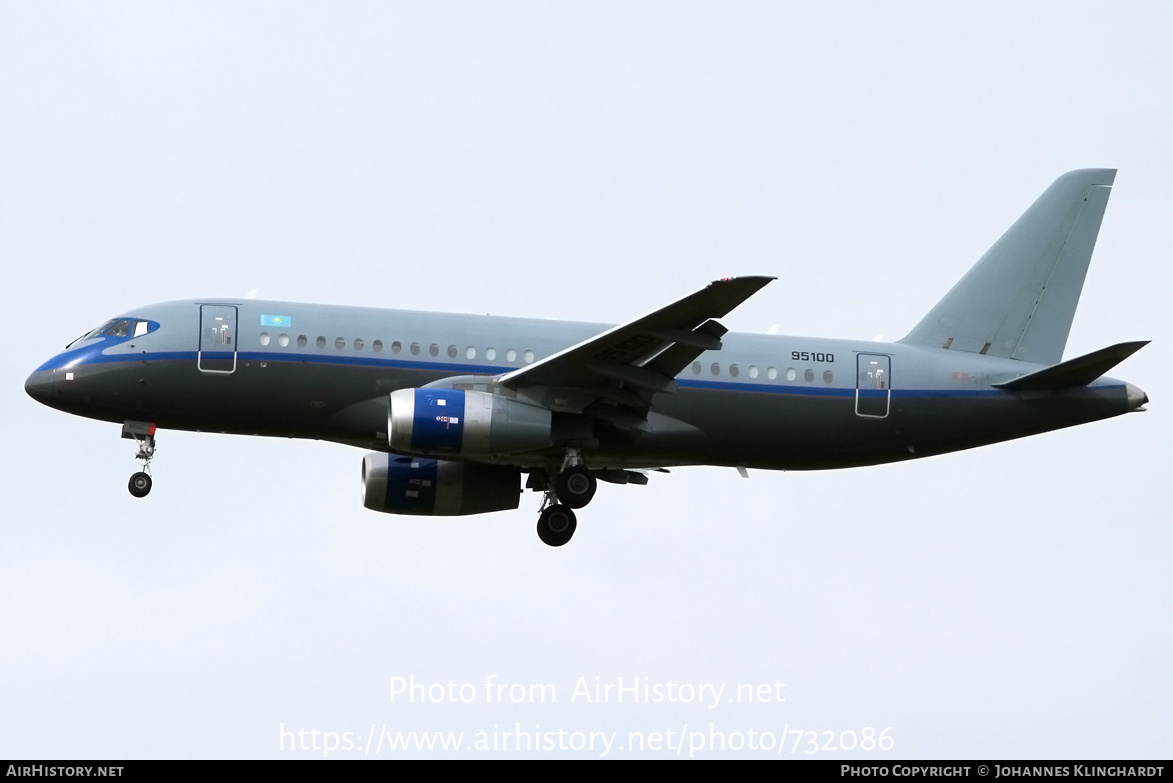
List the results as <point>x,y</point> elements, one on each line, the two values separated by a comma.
<point>647,353</point>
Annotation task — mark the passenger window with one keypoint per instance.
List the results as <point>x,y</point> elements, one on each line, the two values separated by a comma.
<point>529,356</point>
<point>808,376</point>
<point>451,351</point>
<point>264,338</point>
<point>302,341</point>
<point>772,373</point>
<point>283,340</point>
<point>415,349</point>
<point>733,370</point>
<point>753,371</point>
<point>715,368</point>
<point>340,343</point>
<point>377,346</point>
<point>511,355</point>
<point>696,368</point>
<point>490,353</point>
<point>358,344</point>
<point>433,350</point>
<point>470,352</point>
<point>827,376</point>
<point>791,374</point>
<point>396,346</point>
<point>320,342</point>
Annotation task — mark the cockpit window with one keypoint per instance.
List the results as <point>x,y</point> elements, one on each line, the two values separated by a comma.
<point>98,331</point>
<point>119,328</point>
<point>116,327</point>
<point>92,333</point>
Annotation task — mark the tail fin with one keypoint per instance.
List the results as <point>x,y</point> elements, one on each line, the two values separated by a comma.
<point>1019,299</point>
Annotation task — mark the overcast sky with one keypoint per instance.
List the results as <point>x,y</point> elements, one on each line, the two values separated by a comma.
<point>589,161</point>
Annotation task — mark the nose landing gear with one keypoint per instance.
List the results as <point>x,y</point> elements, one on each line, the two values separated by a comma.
<point>143,432</point>
<point>140,484</point>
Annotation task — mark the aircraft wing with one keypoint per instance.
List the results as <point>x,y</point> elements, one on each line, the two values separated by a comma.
<point>645,354</point>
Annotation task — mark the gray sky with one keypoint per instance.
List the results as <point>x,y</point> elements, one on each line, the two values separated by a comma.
<point>587,161</point>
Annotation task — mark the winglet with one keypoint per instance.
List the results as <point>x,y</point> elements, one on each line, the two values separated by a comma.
<point>1074,372</point>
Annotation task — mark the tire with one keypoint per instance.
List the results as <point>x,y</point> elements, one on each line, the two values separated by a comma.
<point>575,487</point>
<point>139,485</point>
<point>556,525</point>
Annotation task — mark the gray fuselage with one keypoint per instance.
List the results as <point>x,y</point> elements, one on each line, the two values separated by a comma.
<point>761,401</point>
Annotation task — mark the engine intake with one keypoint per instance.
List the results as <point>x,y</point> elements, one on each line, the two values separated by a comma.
<point>453,421</point>
<point>395,484</point>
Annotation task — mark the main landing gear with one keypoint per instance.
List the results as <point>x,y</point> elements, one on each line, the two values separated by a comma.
<point>143,432</point>
<point>556,524</point>
<point>573,487</point>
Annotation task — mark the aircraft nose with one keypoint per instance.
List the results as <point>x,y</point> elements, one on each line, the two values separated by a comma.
<point>43,386</point>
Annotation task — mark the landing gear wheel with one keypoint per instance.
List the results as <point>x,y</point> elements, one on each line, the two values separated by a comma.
<point>575,487</point>
<point>144,433</point>
<point>556,525</point>
<point>140,484</point>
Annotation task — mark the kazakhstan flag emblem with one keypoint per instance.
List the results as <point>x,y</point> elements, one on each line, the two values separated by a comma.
<point>280,321</point>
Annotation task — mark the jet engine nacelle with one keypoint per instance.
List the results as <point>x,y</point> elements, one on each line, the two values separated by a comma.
<point>453,421</point>
<point>395,484</point>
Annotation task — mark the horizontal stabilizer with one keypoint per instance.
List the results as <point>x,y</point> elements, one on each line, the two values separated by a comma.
<point>1074,372</point>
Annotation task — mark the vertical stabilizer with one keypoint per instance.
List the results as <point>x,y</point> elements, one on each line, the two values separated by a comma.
<point>1018,301</point>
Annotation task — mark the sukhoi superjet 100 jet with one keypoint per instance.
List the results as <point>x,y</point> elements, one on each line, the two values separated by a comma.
<point>456,409</point>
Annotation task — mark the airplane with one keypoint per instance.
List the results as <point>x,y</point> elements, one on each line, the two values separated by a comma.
<point>454,409</point>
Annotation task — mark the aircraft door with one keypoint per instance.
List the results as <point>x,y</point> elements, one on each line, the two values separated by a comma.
<point>217,352</point>
<point>874,389</point>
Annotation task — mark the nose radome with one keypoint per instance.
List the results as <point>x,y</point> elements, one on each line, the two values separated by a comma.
<point>40,385</point>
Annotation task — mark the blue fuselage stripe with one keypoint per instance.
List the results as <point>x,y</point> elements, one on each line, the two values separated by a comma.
<point>93,354</point>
